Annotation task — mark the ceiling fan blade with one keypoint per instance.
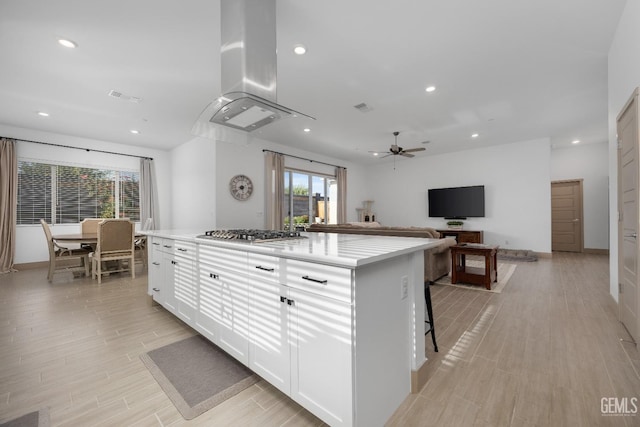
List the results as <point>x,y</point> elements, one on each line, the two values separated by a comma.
<point>413,150</point>
<point>404,153</point>
<point>390,154</point>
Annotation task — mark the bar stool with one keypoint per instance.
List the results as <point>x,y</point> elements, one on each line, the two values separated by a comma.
<point>429,320</point>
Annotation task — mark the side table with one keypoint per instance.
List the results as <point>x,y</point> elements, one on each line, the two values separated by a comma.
<point>460,272</point>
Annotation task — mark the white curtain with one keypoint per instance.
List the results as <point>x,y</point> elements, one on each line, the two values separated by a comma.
<point>8,203</point>
<point>274,191</point>
<point>341,180</point>
<point>148,194</point>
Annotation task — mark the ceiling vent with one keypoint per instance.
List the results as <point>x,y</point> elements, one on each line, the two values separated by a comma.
<point>362,107</point>
<point>115,94</point>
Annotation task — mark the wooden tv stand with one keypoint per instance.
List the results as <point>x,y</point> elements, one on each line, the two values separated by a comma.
<point>462,236</point>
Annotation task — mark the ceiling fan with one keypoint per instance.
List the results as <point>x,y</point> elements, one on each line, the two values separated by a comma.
<point>396,150</point>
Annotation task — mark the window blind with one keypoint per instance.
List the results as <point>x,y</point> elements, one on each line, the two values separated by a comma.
<point>67,194</point>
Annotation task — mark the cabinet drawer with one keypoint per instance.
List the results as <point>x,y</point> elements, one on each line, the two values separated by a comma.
<point>183,248</point>
<point>160,244</point>
<point>329,281</point>
<point>264,267</point>
<point>225,258</point>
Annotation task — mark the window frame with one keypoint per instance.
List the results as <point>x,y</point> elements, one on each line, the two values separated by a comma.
<point>53,196</point>
<point>288,209</point>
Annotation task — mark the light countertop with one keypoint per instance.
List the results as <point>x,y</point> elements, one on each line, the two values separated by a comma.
<point>343,250</point>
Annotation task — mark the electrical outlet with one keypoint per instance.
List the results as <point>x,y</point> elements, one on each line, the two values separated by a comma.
<point>404,287</point>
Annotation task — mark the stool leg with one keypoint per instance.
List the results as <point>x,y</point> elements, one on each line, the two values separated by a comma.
<point>432,329</point>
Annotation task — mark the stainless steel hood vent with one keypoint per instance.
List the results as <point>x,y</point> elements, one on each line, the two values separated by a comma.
<point>248,77</point>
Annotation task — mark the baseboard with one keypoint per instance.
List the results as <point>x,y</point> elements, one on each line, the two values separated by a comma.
<point>419,378</point>
<point>31,265</point>
<point>596,251</point>
<point>548,255</point>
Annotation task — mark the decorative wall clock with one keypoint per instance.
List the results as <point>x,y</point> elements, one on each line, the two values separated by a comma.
<point>241,187</point>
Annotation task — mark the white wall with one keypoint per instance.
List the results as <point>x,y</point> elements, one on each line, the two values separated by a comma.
<point>624,77</point>
<point>193,169</point>
<point>194,185</point>
<point>591,164</point>
<point>30,242</point>
<point>517,191</point>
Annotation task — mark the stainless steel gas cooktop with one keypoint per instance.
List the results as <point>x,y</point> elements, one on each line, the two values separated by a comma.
<point>251,235</point>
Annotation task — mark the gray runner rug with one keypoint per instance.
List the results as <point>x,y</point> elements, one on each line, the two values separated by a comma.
<point>32,419</point>
<point>197,375</point>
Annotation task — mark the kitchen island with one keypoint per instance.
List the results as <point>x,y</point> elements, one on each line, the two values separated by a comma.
<point>334,321</point>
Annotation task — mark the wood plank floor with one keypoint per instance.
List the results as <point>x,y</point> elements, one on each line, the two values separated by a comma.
<point>542,353</point>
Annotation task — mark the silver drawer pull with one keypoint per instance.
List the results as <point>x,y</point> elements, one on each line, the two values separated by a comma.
<point>167,246</point>
<point>156,243</point>
<point>182,249</point>
<point>214,276</point>
<point>155,263</point>
<point>156,290</point>
<point>259,267</point>
<point>311,279</point>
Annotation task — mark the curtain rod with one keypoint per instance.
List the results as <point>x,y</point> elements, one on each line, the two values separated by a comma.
<point>79,148</point>
<point>303,158</point>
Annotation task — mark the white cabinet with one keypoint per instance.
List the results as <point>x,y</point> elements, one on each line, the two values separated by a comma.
<point>161,273</point>
<point>269,350</point>
<point>300,340</point>
<point>172,281</point>
<point>223,306</point>
<point>321,356</point>
<point>185,280</point>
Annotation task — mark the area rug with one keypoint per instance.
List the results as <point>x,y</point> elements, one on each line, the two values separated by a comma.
<point>197,375</point>
<point>504,274</point>
<point>517,255</point>
<point>33,419</point>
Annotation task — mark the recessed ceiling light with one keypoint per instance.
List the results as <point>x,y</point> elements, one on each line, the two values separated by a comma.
<point>430,88</point>
<point>307,130</point>
<point>68,43</point>
<point>575,141</point>
<point>475,135</point>
<point>43,114</point>
<point>299,49</point>
<point>134,131</point>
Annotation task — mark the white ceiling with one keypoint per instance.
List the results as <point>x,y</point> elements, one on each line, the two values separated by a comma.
<point>510,70</point>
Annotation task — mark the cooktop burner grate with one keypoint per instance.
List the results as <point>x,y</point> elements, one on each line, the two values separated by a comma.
<point>251,235</point>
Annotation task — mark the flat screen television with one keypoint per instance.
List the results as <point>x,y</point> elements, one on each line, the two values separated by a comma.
<point>456,202</point>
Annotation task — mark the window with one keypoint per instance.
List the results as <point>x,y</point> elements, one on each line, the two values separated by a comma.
<point>308,199</point>
<point>68,194</point>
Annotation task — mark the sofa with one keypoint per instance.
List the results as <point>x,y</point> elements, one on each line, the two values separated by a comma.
<point>437,260</point>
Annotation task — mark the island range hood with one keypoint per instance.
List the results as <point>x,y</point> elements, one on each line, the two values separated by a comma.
<point>248,72</point>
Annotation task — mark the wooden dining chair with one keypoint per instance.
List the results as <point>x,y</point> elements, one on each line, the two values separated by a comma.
<point>60,255</point>
<point>115,243</point>
<point>141,242</point>
<point>89,225</point>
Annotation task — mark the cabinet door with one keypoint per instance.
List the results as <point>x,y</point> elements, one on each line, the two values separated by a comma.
<point>269,333</point>
<point>156,273</point>
<point>209,315</point>
<point>321,356</point>
<point>234,319</point>
<point>168,282</point>
<point>185,289</point>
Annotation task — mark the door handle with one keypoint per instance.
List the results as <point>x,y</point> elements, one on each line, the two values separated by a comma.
<point>634,235</point>
<point>576,220</point>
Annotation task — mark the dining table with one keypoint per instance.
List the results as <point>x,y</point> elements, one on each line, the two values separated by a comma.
<point>91,239</point>
<point>86,238</point>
